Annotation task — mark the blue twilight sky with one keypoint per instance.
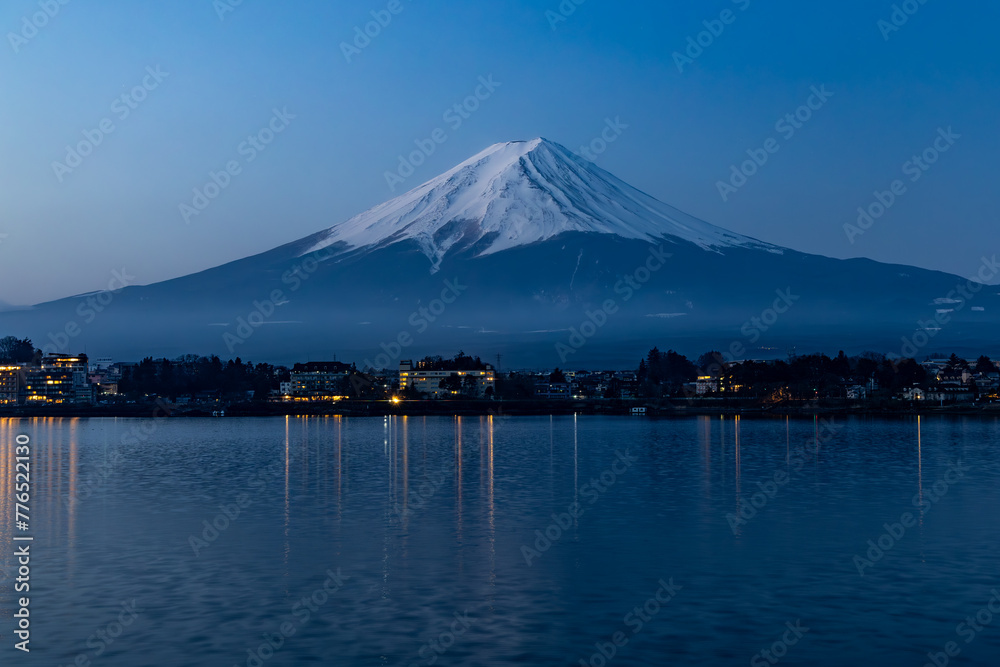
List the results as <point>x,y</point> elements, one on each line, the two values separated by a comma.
<point>65,233</point>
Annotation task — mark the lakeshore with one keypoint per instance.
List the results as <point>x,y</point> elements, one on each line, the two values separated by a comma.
<point>664,408</point>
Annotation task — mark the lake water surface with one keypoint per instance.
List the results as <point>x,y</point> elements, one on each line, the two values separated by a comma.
<point>507,540</point>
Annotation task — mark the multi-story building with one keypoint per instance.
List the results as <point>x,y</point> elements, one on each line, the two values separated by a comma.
<point>706,384</point>
<point>60,379</point>
<point>11,385</point>
<point>46,386</point>
<point>77,367</point>
<point>318,381</point>
<point>438,381</point>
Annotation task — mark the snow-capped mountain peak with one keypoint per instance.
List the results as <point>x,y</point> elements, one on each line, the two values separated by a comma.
<point>519,193</point>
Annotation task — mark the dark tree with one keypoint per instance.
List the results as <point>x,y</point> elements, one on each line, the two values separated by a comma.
<point>664,373</point>
<point>711,363</point>
<point>867,365</point>
<point>841,365</point>
<point>452,383</point>
<point>15,350</point>
<point>957,363</point>
<point>909,373</point>
<point>985,365</point>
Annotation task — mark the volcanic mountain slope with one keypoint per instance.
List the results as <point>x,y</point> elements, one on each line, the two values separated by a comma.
<point>518,194</point>
<point>513,252</point>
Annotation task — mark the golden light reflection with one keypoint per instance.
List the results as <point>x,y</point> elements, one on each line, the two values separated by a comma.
<point>722,445</point>
<point>920,468</point>
<point>705,439</point>
<point>736,429</point>
<point>340,470</point>
<point>7,445</point>
<point>816,426</point>
<point>788,441</point>
<point>458,472</point>
<point>288,509</point>
<point>490,465</point>
<point>74,467</point>
<point>54,482</point>
<point>576,468</point>
<point>492,513</point>
<point>406,468</point>
<point>552,446</point>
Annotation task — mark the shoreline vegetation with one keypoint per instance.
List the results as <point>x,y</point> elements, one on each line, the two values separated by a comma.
<point>664,408</point>
<point>663,384</point>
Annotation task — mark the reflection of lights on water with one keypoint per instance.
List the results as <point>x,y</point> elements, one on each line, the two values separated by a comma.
<point>458,472</point>
<point>406,468</point>
<point>788,441</point>
<point>576,475</point>
<point>736,429</point>
<point>288,508</point>
<point>920,469</point>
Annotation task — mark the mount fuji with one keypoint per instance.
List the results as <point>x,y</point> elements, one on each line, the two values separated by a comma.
<point>532,252</point>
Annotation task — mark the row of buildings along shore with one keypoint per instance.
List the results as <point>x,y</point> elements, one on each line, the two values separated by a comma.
<point>76,379</point>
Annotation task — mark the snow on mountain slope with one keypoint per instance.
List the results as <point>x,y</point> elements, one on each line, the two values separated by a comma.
<point>520,193</point>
